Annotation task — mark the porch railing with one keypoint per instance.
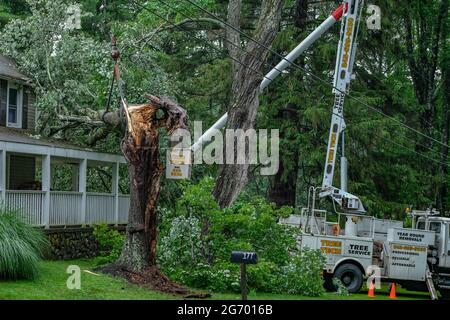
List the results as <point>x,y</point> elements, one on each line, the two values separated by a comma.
<point>99,208</point>
<point>66,208</point>
<point>28,203</point>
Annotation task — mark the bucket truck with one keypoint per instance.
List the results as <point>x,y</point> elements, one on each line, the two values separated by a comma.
<point>416,258</point>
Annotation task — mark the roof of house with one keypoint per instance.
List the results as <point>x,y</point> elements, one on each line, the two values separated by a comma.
<point>21,136</point>
<point>8,69</point>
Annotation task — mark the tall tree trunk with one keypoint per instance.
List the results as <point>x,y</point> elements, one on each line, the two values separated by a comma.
<point>140,148</point>
<point>233,36</point>
<point>245,101</point>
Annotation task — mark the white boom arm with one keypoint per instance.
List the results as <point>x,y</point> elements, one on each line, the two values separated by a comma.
<point>343,72</point>
<point>275,72</point>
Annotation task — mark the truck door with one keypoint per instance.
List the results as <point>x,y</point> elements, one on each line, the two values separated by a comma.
<point>439,229</point>
<point>447,247</point>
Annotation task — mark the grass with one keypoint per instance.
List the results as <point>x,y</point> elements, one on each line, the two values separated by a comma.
<point>51,285</point>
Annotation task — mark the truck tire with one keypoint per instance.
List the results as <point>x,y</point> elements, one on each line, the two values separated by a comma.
<point>350,276</point>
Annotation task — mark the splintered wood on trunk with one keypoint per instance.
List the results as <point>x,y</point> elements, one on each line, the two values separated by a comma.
<point>140,148</point>
<point>137,262</point>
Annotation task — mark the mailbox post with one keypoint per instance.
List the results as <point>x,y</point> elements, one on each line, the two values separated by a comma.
<point>244,258</point>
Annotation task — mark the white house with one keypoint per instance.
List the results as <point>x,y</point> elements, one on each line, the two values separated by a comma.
<point>24,187</point>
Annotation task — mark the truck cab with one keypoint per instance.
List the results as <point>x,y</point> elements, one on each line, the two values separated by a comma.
<point>440,253</point>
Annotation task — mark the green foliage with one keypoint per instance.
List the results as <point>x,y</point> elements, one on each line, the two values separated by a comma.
<point>341,289</point>
<point>110,242</point>
<point>303,274</point>
<point>196,242</point>
<point>21,247</point>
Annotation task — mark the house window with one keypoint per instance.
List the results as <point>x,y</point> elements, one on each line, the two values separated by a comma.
<point>14,110</point>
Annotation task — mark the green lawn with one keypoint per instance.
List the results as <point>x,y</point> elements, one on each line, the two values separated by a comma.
<point>52,285</point>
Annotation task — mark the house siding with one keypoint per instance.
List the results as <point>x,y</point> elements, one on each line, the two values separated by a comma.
<point>3,97</point>
<point>31,110</point>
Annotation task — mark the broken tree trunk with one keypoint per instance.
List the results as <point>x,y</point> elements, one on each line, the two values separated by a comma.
<point>137,261</point>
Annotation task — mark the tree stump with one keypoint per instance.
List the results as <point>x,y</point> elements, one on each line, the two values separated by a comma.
<point>137,262</point>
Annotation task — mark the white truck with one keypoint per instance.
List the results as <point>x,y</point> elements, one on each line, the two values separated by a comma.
<point>417,258</point>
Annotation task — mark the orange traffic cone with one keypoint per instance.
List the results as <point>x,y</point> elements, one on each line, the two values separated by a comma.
<point>371,292</point>
<point>393,295</point>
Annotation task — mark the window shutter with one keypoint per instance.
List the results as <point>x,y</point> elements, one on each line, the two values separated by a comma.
<point>3,97</point>
<point>25,109</point>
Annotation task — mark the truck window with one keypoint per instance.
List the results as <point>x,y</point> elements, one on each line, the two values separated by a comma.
<point>435,226</point>
<point>421,225</point>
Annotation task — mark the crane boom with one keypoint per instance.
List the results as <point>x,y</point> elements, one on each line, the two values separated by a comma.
<point>287,61</point>
<point>343,72</point>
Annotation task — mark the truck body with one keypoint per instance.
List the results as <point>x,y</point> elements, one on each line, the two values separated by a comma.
<point>416,258</point>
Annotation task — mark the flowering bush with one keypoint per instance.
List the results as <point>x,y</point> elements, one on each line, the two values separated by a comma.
<point>197,239</point>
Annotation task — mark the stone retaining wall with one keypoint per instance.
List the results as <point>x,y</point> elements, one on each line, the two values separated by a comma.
<point>73,243</point>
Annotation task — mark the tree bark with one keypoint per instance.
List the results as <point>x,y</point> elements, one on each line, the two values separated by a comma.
<point>245,101</point>
<point>140,148</point>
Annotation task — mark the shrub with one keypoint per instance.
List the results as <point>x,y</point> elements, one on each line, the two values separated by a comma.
<point>197,239</point>
<point>220,277</point>
<point>110,242</point>
<point>21,247</point>
<point>302,275</point>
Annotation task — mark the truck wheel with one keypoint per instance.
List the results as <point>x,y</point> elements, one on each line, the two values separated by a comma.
<point>350,276</point>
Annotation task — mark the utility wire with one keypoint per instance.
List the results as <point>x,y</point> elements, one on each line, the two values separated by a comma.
<point>260,73</point>
<point>315,76</point>
<point>190,15</point>
<point>406,148</point>
<point>205,42</point>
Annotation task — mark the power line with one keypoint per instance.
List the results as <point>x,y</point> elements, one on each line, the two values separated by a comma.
<point>245,66</point>
<point>315,76</point>
<point>408,149</point>
<point>191,15</point>
<point>205,42</point>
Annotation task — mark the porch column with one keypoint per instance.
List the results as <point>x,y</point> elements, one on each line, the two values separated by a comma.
<point>3,175</point>
<point>115,190</point>
<point>82,178</point>
<point>46,183</point>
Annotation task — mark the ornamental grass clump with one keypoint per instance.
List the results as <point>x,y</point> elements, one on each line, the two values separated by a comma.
<point>21,247</point>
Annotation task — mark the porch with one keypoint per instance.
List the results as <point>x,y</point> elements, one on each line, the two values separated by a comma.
<point>48,182</point>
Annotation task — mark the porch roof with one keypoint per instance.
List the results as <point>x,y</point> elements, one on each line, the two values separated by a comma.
<point>13,140</point>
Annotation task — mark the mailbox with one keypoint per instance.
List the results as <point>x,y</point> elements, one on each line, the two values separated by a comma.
<point>244,257</point>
